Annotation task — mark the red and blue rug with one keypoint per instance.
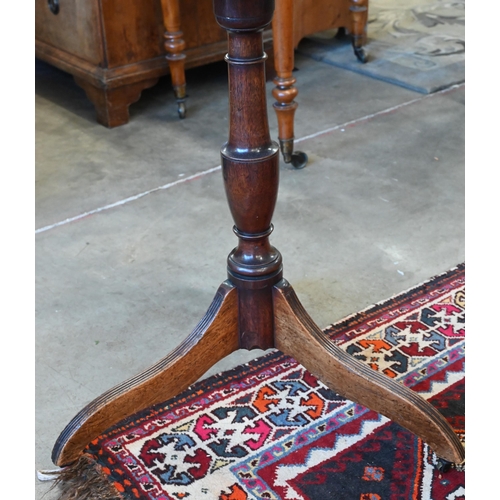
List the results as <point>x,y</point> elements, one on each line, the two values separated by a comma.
<point>271,430</point>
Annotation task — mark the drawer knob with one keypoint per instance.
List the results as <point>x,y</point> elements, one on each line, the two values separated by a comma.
<point>53,6</point>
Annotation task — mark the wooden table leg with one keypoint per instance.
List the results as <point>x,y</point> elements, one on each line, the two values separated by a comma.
<point>359,15</point>
<point>285,92</point>
<point>174,46</point>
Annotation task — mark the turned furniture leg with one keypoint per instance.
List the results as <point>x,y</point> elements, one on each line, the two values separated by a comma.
<point>359,15</point>
<point>174,46</point>
<point>112,104</point>
<point>285,92</point>
<point>297,335</point>
<point>215,337</point>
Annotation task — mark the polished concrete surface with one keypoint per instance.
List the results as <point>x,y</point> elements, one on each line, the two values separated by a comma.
<point>133,228</point>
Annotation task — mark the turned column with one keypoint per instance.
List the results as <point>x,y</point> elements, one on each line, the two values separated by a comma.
<point>250,167</point>
<point>174,46</point>
<point>285,91</point>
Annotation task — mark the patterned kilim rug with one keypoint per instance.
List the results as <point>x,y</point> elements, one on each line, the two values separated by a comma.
<point>417,44</point>
<point>271,430</point>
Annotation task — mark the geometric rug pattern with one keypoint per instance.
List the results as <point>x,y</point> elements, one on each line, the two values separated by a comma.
<point>269,429</point>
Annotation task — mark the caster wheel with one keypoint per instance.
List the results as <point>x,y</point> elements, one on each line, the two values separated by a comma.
<point>181,109</point>
<point>361,54</point>
<point>341,34</point>
<point>299,159</point>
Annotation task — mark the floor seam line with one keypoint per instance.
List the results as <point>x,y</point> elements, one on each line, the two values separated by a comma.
<point>127,200</point>
<point>387,111</point>
<point>169,185</point>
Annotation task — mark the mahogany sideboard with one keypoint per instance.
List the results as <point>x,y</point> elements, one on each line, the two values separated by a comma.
<point>117,48</point>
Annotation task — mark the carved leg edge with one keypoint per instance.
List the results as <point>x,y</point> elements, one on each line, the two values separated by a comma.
<point>214,338</point>
<point>298,336</point>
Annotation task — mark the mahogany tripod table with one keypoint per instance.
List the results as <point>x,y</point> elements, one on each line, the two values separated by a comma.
<point>255,307</point>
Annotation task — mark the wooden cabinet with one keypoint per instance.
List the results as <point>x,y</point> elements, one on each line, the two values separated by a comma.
<point>115,48</point>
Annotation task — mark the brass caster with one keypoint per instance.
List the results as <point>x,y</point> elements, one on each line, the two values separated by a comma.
<point>298,159</point>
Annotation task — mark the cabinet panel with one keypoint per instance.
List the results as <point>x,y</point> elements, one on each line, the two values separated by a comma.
<point>75,29</point>
<point>133,30</point>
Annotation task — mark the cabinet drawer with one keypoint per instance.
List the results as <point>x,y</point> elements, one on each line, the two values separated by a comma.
<point>75,29</point>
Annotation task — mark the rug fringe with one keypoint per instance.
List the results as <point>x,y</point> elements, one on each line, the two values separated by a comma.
<point>83,480</point>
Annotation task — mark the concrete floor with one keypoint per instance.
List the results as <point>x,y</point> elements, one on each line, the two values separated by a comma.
<point>129,254</point>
